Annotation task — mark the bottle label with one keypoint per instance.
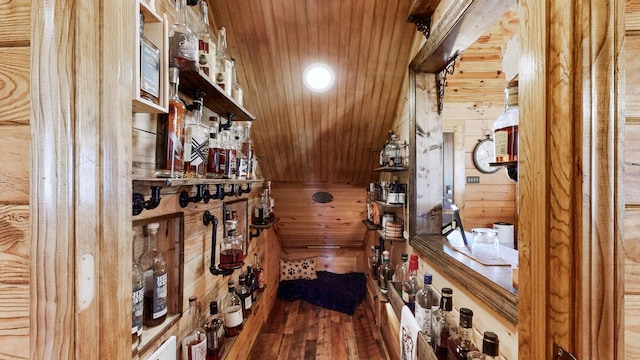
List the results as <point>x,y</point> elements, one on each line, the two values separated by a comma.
<point>159,295</point>
<point>193,350</point>
<point>233,316</point>
<point>150,68</point>
<point>198,149</point>
<point>260,277</point>
<point>184,46</point>
<point>137,308</point>
<point>247,302</point>
<point>212,340</point>
<point>423,318</point>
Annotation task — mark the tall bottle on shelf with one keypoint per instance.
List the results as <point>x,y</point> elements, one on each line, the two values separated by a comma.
<point>224,65</point>
<point>196,142</point>
<point>137,299</point>
<point>206,44</point>
<point>215,333</point>
<point>154,269</point>
<point>194,344</point>
<point>402,273</point>
<point>244,293</point>
<point>444,325</point>
<point>183,40</point>
<point>385,273</point>
<point>170,132</point>
<point>461,344</point>
<point>411,286</point>
<point>232,311</point>
<point>259,271</point>
<point>373,262</point>
<point>247,150</point>
<point>490,348</point>
<point>426,303</point>
<point>236,90</point>
<point>252,283</point>
<point>213,157</point>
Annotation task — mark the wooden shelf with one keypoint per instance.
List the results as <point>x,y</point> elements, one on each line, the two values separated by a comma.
<point>388,238</point>
<point>259,228</point>
<point>370,225</point>
<point>390,169</point>
<point>384,204</point>
<point>215,99</point>
<point>154,181</point>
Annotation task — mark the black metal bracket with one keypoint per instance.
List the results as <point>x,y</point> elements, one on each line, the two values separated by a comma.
<point>423,24</point>
<point>228,124</point>
<point>139,204</point>
<point>209,196</point>
<point>244,191</point>
<point>256,234</point>
<point>208,218</point>
<point>185,199</point>
<point>441,81</point>
<point>222,193</point>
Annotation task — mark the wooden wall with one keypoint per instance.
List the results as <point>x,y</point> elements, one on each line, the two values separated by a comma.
<point>632,182</point>
<point>15,15</point>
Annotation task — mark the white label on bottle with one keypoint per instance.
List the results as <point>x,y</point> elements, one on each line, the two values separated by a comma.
<point>423,318</point>
<point>247,302</point>
<point>233,316</point>
<point>136,313</point>
<point>199,149</point>
<point>159,295</point>
<point>501,141</point>
<point>196,351</point>
<point>184,46</point>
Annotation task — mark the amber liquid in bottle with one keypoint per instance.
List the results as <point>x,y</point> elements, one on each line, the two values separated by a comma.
<point>170,134</point>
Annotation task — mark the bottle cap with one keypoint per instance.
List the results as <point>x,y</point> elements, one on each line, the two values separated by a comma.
<point>193,298</point>
<point>428,278</point>
<point>153,226</point>
<point>447,291</point>
<point>490,343</point>
<point>213,307</point>
<point>466,318</point>
<point>405,257</point>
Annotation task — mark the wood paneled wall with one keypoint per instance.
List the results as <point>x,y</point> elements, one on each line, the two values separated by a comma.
<point>15,232</point>
<point>632,182</point>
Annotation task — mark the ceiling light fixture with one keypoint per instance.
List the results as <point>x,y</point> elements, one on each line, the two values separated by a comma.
<point>318,77</point>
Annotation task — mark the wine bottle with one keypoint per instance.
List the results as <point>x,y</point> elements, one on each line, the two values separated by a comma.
<point>154,269</point>
<point>194,344</point>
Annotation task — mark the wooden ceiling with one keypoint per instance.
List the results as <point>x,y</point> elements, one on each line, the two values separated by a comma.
<point>307,137</point>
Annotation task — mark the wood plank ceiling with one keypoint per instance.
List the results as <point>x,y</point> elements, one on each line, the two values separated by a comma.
<point>307,137</point>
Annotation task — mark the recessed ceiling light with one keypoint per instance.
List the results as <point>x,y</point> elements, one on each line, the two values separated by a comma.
<point>318,77</point>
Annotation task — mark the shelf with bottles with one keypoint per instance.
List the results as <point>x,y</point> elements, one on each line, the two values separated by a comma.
<point>147,181</point>
<point>150,83</point>
<point>259,227</point>
<point>390,205</point>
<point>165,234</point>
<point>390,169</point>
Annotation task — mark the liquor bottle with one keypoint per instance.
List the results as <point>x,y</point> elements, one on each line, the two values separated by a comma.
<point>236,90</point>
<point>462,343</point>
<point>149,67</point>
<point>213,157</point>
<point>373,262</point>
<point>385,273</point>
<point>490,348</point>
<point>196,142</point>
<point>244,293</point>
<point>194,344</point>
<point>505,128</point>
<point>170,133</point>
<point>154,267</point>
<point>223,62</point>
<point>230,156</point>
<point>232,253</point>
<point>402,273</point>
<point>241,158</point>
<point>183,41</point>
<point>413,283</point>
<point>247,150</point>
<point>444,325</point>
<point>259,271</point>
<point>232,312</point>
<point>137,298</point>
<point>252,283</point>
<point>215,333</point>
<point>206,44</point>
<point>426,300</point>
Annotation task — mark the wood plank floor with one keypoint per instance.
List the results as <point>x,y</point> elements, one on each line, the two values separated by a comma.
<point>300,330</point>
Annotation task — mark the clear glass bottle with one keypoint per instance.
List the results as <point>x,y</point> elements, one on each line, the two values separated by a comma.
<point>385,273</point>
<point>232,312</point>
<point>461,344</point>
<point>206,44</point>
<point>213,158</point>
<point>149,67</point>
<point>247,150</point>
<point>194,344</point>
<point>170,132</point>
<point>215,333</point>
<point>413,283</point>
<point>154,267</point>
<point>223,62</point>
<point>183,41</point>
<point>505,128</point>
<point>402,273</point>
<point>232,253</point>
<point>230,156</point>
<point>236,90</point>
<point>244,293</point>
<point>196,143</point>
<point>393,152</point>
<point>259,271</point>
<point>444,325</point>
<point>137,300</point>
<point>241,158</point>
<point>490,348</point>
<point>426,304</point>
<point>373,262</point>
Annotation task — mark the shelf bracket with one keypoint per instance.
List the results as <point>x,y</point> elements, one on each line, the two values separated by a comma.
<point>208,218</point>
<point>423,24</point>
<point>185,199</point>
<point>244,191</point>
<point>228,124</point>
<point>441,81</point>
<point>254,235</point>
<point>139,204</point>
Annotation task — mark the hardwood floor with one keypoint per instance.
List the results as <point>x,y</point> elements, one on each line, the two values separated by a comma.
<point>300,330</point>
